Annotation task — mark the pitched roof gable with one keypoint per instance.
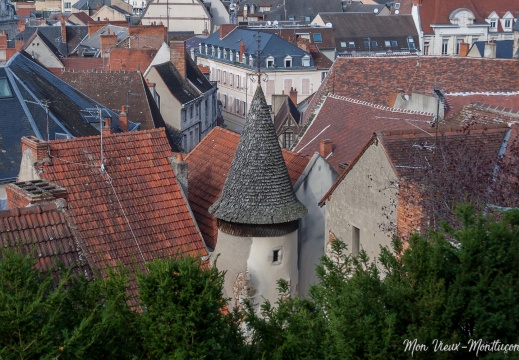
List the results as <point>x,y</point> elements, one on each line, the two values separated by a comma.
<point>349,123</point>
<point>179,88</point>
<point>45,232</point>
<point>209,164</point>
<point>134,210</point>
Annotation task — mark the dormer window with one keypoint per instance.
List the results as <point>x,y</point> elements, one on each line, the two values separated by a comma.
<point>231,56</point>
<point>219,53</point>
<point>508,24</point>
<point>200,48</point>
<point>251,61</point>
<point>213,51</point>
<point>288,62</point>
<point>306,60</point>
<point>461,17</point>
<point>225,54</point>
<point>493,24</point>
<point>270,62</point>
<point>206,50</point>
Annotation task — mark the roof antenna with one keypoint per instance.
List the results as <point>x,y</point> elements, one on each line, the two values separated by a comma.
<point>101,128</point>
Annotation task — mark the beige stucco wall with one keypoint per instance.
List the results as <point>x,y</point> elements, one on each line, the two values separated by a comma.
<point>169,106</point>
<point>237,255</point>
<point>39,51</point>
<point>106,13</point>
<point>247,87</point>
<point>366,199</point>
<point>184,15</point>
<point>49,5</point>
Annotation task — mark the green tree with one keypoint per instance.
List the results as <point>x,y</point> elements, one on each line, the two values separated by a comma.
<point>184,313</point>
<point>30,308</point>
<point>452,286</point>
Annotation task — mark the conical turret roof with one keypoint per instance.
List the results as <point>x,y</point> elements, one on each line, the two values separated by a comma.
<point>258,189</point>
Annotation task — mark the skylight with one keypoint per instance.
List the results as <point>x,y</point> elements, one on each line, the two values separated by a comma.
<point>5,90</point>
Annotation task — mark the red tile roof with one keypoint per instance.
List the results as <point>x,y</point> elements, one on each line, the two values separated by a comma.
<point>438,11</point>
<point>209,163</point>
<point>350,123</point>
<point>479,113</point>
<point>375,79</point>
<point>130,59</point>
<point>44,231</point>
<point>132,212</point>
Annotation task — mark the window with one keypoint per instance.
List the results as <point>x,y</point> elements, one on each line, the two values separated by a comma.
<point>394,43</point>
<point>237,81</point>
<point>317,37</point>
<point>5,90</point>
<point>305,86</point>
<point>231,78</point>
<point>366,43</point>
<point>67,5</point>
<point>397,6</point>
<point>307,18</point>
<point>225,101</point>
<point>237,106</point>
<point>270,62</point>
<point>374,44</point>
<point>224,79</point>
<point>387,43</point>
<point>61,136</point>
<point>458,42</point>
<point>351,44</point>
<point>355,245</point>
<point>212,51</point>
<point>445,46</point>
<point>219,53</point>
<point>287,86</point>
<point>231,56</point>
<point>225,54</point>
<point>219,75</point>
<point>270,87</point>
<point>343,44</point>
<point>289,139</point>
<point>306,60</point>
<point>493,24</point>
<point>191,112</point>
<point>426,48</point>
<point>288,62</point>
<point>276,256</point>
<point>243,107</point>
<point>411,43</point>
<point>508,23</point>
<point>251,61</point>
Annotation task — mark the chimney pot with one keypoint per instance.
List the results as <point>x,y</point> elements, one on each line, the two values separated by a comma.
<point>107,127</point>
<point>123,119</point>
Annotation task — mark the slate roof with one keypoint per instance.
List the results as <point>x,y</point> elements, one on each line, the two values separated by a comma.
<point>288,108</point>
<point>358,27</point>
<point>290,34</point>
<point>113,89</point>
<point>258,189</point>
<point>438,11</point>
<point>132,212</point>
<point>270,45</point>
<point>375,79</point>
<point>504,48</point>
<point>305,8</point>
<point>75,34</point>
<point>20,116</point>
<point>44,231</point>
<point>209,163</point>
<point>182,90</point>
<point>94,41</point>
<point>358,7</point>
<point>350,123</point>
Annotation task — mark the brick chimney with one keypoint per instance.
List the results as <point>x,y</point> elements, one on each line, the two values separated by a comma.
<point>178,56</point>
<point>63,30</point>
<point>3,40</point>
<point>94,26</point>
<point>107,127</point>
<point>180,169</point>
<point>464,49</point>
<point>108,41</point>
<point>242,50</point>
<point>34,192</point>
<point>325,148</point>
<point>37,147</point>
<point>226,28</point>
<point>293,95</point>
<point>490,50</point>
<point>303,44</point>
<point>123,119</point>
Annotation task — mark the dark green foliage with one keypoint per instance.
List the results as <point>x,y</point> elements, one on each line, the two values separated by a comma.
<point>183,313</point>
<point>453,286</point>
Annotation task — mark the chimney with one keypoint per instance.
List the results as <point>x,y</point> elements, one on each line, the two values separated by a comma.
<point>123,119</point>
<point>464,49</point>
<point>226,28</point>
<point>107,127</point>
<point>3,40</point>
<point>180,169</point>
<point>242,50</point>
<point>108,41</point>
<point>178,56</point>
<point>94,26</point>
<point>37,147</point>
<point>293,95</point>
<point>34,192</point>
<point>303,44</point>
<point>98,7</point>
<point>490,50</point>
<point>325,148</point>
<point>63,31</point>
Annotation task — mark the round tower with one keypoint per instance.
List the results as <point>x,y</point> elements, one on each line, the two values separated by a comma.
<point>257,214</point>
